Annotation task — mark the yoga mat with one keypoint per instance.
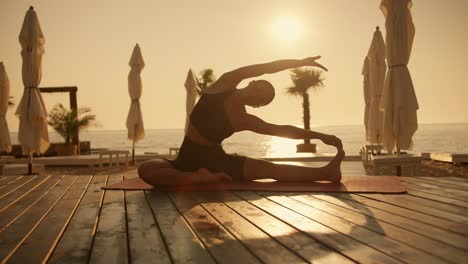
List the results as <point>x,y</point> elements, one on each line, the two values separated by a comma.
<point>359,184</point>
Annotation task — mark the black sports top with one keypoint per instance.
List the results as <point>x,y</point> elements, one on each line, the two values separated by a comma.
<point>210,119</point>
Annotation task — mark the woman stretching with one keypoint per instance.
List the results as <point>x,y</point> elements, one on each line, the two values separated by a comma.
<point>219,113</point>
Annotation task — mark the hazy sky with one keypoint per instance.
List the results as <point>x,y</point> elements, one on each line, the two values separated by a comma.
<point>89,43</point>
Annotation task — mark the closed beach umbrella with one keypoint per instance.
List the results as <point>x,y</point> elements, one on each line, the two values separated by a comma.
<point>377,70</point>
<point>399,103</point>
<point>367,95</point>
<point>191,96</point>
<point>5,143</point>
<point>31,111</point>
<point>135,127</point>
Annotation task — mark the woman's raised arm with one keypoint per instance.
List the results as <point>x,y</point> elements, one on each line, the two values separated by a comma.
<point>271,67</point>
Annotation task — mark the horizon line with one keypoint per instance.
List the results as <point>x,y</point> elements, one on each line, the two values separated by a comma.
<point>120,129</point>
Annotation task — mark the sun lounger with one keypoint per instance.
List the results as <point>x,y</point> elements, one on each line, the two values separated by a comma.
<point>366,150</point>
<point>173,152</point>
<point>455,158</point>
<point>411,162</point>
<point>111,153</point>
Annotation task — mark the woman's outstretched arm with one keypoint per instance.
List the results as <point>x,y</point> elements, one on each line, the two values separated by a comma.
<point>271,67</point>
<point>257,125</point>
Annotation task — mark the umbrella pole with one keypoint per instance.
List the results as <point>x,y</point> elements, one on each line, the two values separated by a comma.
<point>398,168</point>
<point>30,165</point>
<point>133,152</point>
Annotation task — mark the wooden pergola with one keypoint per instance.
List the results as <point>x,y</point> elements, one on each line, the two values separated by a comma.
<point>71,90</point>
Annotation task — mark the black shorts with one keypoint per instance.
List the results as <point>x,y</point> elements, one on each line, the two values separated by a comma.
<point>193,156</point>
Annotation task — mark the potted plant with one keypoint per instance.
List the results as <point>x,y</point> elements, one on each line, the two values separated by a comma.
<point>305,80</point>
<point>67,123</point>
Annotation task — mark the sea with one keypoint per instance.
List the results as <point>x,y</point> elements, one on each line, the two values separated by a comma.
<point>428,138</point>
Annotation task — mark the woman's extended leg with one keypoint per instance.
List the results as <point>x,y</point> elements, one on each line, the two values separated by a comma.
<point>161,172</point>
<point>260,169</point>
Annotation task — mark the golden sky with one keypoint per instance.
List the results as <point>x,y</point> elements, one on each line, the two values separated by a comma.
<point>89,43</point>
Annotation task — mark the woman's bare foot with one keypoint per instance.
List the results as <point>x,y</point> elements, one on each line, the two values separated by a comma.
<point>334,167</point>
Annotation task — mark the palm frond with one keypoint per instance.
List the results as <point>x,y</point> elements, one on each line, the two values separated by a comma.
<point>292,90</point>
<point>205,79</point>
<point>306,79</point>
<point>68,122</point>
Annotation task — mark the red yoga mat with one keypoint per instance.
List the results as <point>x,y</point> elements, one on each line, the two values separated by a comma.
<point>358,184</point>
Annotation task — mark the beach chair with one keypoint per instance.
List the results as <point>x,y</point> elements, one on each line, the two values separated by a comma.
<point>368,150</point>
<point>455,158</point>
<point>409,163</point>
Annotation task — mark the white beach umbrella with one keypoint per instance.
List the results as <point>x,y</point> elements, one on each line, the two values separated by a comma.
<point>191,96</point>
<point>399,103</point>
<point>134,123</point>
<point>31,110</point>
<point>367,95</point>
<point>5,142</point>
<point>377,70</point>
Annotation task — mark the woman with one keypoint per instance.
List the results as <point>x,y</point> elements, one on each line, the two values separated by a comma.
<point>219,113</point>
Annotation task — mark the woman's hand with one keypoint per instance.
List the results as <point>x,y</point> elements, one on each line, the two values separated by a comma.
<point>332,141</point>
<point>203,175</point>
<point>312,61</point>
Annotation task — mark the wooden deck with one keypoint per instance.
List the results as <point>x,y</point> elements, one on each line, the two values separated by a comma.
<point>69,219</point>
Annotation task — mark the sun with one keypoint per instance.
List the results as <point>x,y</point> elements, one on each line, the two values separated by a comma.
<point>287,28</point>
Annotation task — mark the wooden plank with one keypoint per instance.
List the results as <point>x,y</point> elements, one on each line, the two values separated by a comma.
<point>110,242</point>
<point>366,236</point>
<point>75,244</point>
<point>9,179</point>
<point>459,179</point>
<point>447,180</point>
<point>217,240</point>
<point>412,202</point>
<point>434,189</point>
<point>11,236</point>
<point>37,247</point>
<point>401,211</point>
<point>258,242</point>
<point>458,186</point>
<point>418,223</point>
<point>59,89</point>
<point>435,209</point>
<point>344,244</point>
<point>22,190</point>
<point>14,210</point>
<point>438,198</point>
<point>183,245</point>
<point>146,244</point>
<point>384,226</point>
<point>14,185</point>
<point>306,247</point>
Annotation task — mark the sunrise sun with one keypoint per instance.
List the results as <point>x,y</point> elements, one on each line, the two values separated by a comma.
<point>287,29</point>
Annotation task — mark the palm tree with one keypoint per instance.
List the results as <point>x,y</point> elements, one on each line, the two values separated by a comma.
<point>303,81</point>
<point>206,77</point>
<point>67,122</point>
